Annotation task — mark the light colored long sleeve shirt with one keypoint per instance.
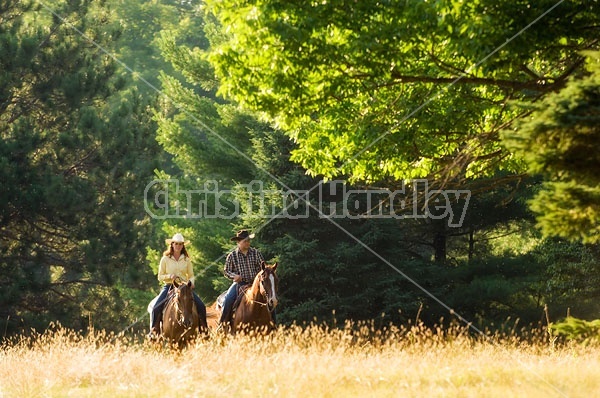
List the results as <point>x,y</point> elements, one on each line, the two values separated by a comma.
<point>181,268</point>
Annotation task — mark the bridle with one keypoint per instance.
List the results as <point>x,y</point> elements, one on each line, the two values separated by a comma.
<point>263,291</point>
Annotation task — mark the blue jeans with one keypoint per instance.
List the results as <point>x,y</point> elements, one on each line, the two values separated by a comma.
<point>230,298</point>
<point>160,305</point>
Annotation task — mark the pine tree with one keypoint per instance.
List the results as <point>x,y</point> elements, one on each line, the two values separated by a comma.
<point>559,141</point>
<point>75,159</point>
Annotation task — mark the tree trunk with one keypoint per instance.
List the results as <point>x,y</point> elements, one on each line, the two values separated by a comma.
<point>471,243</point>
<point>439,242</point>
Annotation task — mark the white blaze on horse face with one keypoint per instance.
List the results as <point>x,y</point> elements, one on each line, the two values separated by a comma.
<point>274,298</point>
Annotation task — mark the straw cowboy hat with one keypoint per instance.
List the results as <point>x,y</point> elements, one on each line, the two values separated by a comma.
<point>177,238</point>
<point>241,235</point>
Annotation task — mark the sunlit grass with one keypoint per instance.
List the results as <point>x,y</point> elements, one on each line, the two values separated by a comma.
<point>356,360</point>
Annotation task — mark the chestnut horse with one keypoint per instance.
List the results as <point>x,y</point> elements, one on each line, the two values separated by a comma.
<point>254,310</point>
<point>255,303</point>
<point>180,317</point>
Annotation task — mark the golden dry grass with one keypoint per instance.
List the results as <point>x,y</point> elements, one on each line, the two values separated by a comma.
<point>300,362</point>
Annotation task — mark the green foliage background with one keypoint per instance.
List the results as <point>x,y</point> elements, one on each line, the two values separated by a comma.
<point>229,94</point>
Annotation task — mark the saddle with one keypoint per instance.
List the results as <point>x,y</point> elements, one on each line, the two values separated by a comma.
<point>241,290</point>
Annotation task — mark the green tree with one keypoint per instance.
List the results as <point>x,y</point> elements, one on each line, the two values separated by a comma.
<point>139,24</point>
<point>75,160</point>
<point>398,90</point>
<point>571,277</point>
<point>326,276</point>
<point>559,141</point>
<point>210,148</point>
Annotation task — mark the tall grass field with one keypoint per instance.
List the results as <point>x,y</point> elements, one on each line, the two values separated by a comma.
<point>313,361</point>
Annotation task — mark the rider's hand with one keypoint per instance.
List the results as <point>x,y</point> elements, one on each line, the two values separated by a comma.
<point>237,278</point>
<point>173,277</point>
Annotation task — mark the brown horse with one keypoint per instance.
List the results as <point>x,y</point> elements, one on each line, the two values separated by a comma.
<point>180,317</point>
<point>254,310</point>
<point>255,303</point>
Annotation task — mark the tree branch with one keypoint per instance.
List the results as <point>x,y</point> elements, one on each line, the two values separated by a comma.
<point>541,84</point>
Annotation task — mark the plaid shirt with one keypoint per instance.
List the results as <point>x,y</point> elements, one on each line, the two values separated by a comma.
<point>245,265</point>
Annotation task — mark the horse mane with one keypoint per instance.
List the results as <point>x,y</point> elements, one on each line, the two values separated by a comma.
<point>255,288</point>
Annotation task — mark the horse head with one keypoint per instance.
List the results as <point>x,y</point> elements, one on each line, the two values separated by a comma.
<point>184,304</point>
<point>268,284</point>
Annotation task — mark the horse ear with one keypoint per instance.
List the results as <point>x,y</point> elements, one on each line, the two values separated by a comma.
<point>275,266</point>
<point>189,283</point>
<point>263,265</point>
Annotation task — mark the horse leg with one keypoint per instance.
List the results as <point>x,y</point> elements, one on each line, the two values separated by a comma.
<point>240,317</point>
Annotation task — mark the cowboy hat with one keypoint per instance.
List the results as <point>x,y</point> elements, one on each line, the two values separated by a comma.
<point>177,238</point>
<point>241,235</point>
